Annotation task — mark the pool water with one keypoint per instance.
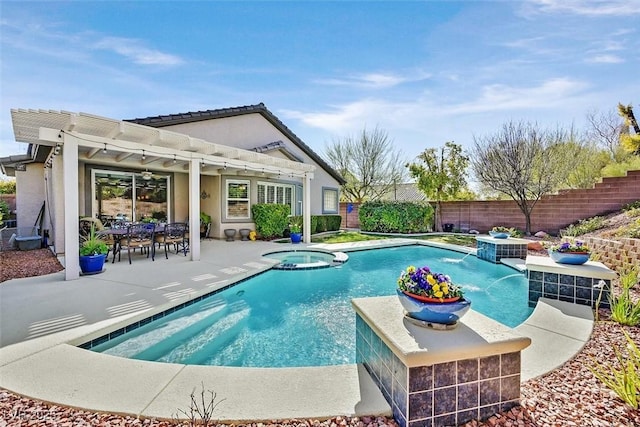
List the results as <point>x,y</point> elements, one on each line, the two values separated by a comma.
<point>304,317</point>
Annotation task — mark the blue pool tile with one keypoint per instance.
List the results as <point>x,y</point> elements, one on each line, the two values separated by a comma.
<point>567,290</point>
<point>490,392</point>
<point>467,370</point>
<point>551,277</point>
<point>444,374</point>
<point>420,378</point>
<point>584,281</point>
<point>420,405</point>
<point>510,388</point>
<point>535,275</point>
<point>466,416</point>
<point>534,285</point>
<point>468,396</point>
<point>445,420</point>
<point>444,400</point>
<point>566,279</point>
<point>510,363</point>
<point>489,367</point>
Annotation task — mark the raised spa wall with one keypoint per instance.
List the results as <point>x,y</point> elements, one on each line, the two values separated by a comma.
<point>493,250</point>
<point>438,377</point>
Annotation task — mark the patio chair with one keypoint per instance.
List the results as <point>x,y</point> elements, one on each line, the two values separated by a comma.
<point>174,234</point>
<point>139,236</point>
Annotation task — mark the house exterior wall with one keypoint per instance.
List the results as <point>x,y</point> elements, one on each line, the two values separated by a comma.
<point>253,130</point>
<point>29,183</point>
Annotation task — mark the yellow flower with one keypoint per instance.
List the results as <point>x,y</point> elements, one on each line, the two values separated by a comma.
<point>445,289</point>
<point>432,281</point>
<point>438,294</point>
<point>411,269</point>
<point>436,288</point>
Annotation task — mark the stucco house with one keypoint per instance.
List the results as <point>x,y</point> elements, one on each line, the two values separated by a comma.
<point>169,167</point>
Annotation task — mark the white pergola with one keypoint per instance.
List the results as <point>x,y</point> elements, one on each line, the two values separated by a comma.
<point>104,141</point>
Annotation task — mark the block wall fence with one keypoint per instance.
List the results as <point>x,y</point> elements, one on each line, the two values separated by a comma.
<point>551,213</point>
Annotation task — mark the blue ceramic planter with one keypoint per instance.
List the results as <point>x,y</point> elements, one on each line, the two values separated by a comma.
<point>499,234</point>
<point>445,313</point>
<point>296,237</point>
<point>569,258</point>
<point>92,264</point>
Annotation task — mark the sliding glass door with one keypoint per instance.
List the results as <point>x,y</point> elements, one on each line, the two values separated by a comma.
<point>122,197</point>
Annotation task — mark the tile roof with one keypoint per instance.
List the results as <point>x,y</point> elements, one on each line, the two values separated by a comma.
<point>197,116</point>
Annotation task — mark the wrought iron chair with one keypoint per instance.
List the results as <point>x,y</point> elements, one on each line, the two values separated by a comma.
<point>139,236</point>
<point>174,234</point>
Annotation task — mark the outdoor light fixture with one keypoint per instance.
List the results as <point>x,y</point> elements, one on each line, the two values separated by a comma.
<point>174,159</point>
<point>104,150</point>
<point>143,156</point>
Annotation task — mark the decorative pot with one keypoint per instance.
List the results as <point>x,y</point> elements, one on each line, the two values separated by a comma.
<point>92,264</point>
<point>444,312</point>
<point>296,237</point>
<point>573,258</point>
<point>499,234</point>
<point>230,234</point>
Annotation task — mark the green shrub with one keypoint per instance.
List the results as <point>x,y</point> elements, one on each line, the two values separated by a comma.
<point>631,206</point>
<point>623,378</point>
<point>395,217</point>
<point>584,226</point>
<point>631,230</point>
<point>271,219</point>
<point>4,210</point>
<point>321,223</point>
<point>623,309</point>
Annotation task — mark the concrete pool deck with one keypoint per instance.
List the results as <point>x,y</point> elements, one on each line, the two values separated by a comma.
<point>38,358</point>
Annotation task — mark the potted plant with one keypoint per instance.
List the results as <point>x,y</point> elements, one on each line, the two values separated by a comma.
<point>431,297</point>
<point>295,230</point>
<point>575,252</point>
<point>205,224</point>
<point>500,232</point>
<point>93,252</point>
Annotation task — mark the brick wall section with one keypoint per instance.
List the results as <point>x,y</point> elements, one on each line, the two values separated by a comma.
<point>615,253</point>
<point>550,214</point>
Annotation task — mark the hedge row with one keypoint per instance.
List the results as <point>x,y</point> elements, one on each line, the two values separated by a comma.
<point>272,220</point>
<point>396,217</point>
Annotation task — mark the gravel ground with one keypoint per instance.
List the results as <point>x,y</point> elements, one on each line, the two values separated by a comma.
<point>567,396</point>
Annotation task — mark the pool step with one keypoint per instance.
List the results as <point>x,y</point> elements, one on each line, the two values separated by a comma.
<point>202,347</point>
<point>154,337</point>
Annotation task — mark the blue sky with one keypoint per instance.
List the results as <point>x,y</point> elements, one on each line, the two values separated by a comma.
<point>426,72</point>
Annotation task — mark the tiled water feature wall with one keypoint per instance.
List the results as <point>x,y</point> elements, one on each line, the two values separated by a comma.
<point>587,284</point>
<point>421,372</point>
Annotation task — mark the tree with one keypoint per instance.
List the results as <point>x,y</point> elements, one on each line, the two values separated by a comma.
<point>440,174</point>
<point>631,142</point>
<point>369,164</point>
<point>520,161</point>
<point>605,130</point>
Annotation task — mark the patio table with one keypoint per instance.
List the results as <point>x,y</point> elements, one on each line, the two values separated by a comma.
<point>119,233</point>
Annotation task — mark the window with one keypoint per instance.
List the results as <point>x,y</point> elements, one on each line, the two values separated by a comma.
<point>329,201</point>
<point>281,194</point>
<point>237,199</point>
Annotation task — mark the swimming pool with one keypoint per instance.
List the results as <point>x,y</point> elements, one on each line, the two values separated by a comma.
<point>304,317</point>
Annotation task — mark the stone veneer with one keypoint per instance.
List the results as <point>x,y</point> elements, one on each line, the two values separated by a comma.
<point>438,378</point>
<point>577,284</point>
<point>492,249</point>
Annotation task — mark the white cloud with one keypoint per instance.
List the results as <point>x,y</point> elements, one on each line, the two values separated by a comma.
<point>605,59</point>
<point>134,50</point>
<point>375,80</point>
<point>588,7</point>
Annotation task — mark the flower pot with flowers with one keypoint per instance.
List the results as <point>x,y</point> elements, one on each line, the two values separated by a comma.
<point>575,253</point>
<point>431,297</point>
<point>295,230</point>
<point>500,232</point>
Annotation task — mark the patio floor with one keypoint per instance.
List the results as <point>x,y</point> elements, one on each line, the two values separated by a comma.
<point>39,316</point>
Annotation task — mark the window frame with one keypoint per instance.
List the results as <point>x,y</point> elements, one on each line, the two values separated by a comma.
<point>325,192</point>
<point>275,186</point>
<point>228,199</point>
